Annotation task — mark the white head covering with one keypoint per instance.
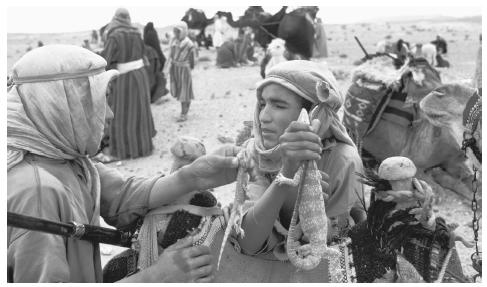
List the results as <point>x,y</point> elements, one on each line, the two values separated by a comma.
<point>56,107</point>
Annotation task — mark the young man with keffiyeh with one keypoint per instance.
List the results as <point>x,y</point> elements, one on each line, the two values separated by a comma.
<point>281,144</point>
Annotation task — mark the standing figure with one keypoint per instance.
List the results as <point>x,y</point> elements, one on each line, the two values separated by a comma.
<point>320,47</point>
<point>156,61</point>
<point>94,37</point>
<point>181,63</point>
<point>132,128</point>
<point>402,50</point>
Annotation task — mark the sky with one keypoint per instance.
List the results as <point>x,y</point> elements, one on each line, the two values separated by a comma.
<point>56,17</point>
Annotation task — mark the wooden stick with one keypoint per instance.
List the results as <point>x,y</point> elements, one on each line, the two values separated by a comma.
<point>72,229</point>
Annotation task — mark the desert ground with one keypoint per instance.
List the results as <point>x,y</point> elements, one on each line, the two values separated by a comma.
<point>224,98</point>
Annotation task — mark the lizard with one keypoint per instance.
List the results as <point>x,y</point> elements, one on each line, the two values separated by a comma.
<point>236,213</point>
<point>309,210</point>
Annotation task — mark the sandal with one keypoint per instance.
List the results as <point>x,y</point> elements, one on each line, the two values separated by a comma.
<point>182,118</point>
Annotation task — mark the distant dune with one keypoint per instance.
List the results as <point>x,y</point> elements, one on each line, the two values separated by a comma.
<point>430,19</point>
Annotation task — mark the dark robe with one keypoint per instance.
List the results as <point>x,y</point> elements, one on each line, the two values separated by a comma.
<point>157,81</point>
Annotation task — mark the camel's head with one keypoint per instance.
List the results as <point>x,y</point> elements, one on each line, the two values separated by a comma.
<point>418,78</point>
<point>276,47</point>
<point>444,107</point>
<point>195,18</point>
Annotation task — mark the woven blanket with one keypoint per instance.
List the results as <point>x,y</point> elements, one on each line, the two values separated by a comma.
<point>375,243</point>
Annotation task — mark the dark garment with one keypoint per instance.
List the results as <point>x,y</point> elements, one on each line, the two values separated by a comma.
<point>441,46</point>
<point>226,55</point>
<point>441,63</point>
<point>151,38</point>
<point>132,128</point>
<point>157,81</point>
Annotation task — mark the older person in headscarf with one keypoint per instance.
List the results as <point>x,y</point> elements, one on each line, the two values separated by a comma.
<point>131,131</point>
<point>281,144</point>
<point>56,111</point>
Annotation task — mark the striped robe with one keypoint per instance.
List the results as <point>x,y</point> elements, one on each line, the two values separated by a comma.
<point>132,127</point>
<point>182,62</point>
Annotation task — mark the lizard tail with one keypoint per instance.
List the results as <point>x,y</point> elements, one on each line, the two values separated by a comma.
<point>228,229</point>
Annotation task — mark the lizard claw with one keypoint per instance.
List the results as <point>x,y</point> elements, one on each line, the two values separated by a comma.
<point>465,242</point>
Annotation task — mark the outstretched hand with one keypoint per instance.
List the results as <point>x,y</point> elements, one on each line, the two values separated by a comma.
<point>213,170</point>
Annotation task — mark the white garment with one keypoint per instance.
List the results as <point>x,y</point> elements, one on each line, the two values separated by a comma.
<point>218,36</point>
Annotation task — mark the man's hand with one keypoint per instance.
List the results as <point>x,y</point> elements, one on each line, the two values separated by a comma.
<point>182,262</point>
<point>299,143</point>
<point>213,170</point>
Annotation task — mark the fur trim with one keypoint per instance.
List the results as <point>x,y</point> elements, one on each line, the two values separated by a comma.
<point>379,69</point>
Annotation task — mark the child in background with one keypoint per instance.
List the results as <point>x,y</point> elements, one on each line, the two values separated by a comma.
<point>181,62</point>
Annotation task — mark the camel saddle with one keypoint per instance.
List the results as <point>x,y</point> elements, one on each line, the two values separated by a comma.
<point>372,96</point>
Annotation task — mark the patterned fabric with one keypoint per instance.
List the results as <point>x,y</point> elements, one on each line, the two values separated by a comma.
<point>377,242</point>
<point>342,268</point>
<point>362,99</point>
<point>368,102</point>
<point>120,266</point>
<point>163,227</point>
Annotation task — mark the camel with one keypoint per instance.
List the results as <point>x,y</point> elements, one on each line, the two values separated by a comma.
<point>196,19</point>
<point>264,25</point>
<point>446,106</point>
<point>295,27</point>
<point>427,145</point>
